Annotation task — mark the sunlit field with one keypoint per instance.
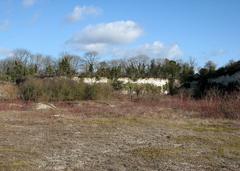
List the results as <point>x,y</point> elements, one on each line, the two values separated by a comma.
<point>114,135</point>
<point>130,85</point>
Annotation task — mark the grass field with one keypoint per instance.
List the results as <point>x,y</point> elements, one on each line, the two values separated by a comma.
<point>115,135</point>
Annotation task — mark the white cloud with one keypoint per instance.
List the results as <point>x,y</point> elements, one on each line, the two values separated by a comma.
<point>156,49</point>
<point>4,25</point>
<point>112,38</point>
<point>28,3</point>
<point>219,52</point>
<point>79,12</point>
<point>4,52</point>
<point>159,49</point>
<point>101,36</point>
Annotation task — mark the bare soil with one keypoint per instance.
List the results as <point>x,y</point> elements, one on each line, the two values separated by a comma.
<point>114,135</point>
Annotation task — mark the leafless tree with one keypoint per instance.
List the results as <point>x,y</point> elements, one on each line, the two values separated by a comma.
<point>90,61</point>
<point>22,55</point>
<point>91,57</point>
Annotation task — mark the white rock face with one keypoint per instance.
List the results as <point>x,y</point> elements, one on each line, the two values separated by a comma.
<point>125,80</point>
<point>94,80</point>
<point>76,79</point>
<point>153,81</point>
<point>91,80</point>
<point>226,79</point>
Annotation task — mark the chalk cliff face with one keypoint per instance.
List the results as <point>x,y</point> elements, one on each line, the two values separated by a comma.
<point>153,81</point>
<point>226,79</point>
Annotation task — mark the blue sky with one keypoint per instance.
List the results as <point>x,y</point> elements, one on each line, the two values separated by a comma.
<point>203,29</point>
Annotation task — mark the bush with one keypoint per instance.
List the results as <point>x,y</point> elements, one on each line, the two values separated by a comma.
<point>8,91</point>
<point>104,91</point>
<point>146,91</point>
<point>62,89</point>
<point>98,92</point>
<point>29,91</point>
<point>51,90</point>
<point>117,85</point>
<point>213,105</point>
<point>153,92</point>
<point>90,92</point>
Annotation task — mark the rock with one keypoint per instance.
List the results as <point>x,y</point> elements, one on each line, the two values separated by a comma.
<point>42,106</point>
<point>178,145</point>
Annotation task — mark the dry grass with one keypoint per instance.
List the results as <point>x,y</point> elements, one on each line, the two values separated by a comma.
<point>8,91</point>
<point>14,105</point>
<point>115,135</point>
<point>212,106</point>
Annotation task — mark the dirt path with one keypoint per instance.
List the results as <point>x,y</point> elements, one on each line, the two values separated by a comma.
<point>67,139</point>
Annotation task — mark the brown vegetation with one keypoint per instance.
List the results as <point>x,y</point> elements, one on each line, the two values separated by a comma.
<point>8,91</point>
<point>115,135</point>
<point>213,105</point>
<point>217,107</point>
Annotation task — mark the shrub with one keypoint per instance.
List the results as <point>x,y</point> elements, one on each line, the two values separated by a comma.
<point>153,92</point>
<point>51,90</point>
<point>117,85</point>
<point>146,91</point>
<point>31,90</point>
<point>8,91</point>
<point>62,89</point>
<point>98,92</point>
<point>104,91</point>
<point>90,92</point>
<point>213,105</point>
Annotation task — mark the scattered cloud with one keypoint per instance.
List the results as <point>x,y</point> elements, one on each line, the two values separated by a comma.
<point>4,52</point>
<point>28,3</point>
<point>102,36</point>
<point>79,12</point>
<point>156,49</point>
<point>213,54</point>
<point>219,52</point>
<point>111,38</point>
<point>159,49</point>
<point>4,25</point>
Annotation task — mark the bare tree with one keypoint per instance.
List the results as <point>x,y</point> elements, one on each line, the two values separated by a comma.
<point>22,55</point>
<point>90,60</point>
<point>91,57</point>
<point>77,63</point>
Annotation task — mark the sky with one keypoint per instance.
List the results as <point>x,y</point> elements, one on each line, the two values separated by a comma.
<point>176,29</point>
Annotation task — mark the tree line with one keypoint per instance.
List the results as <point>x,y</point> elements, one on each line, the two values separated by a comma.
<point>23,64</point>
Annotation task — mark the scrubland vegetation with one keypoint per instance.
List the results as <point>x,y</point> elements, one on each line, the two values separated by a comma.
<point>114,135</point>
<point>35,77</point>
<point>51,121</point>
